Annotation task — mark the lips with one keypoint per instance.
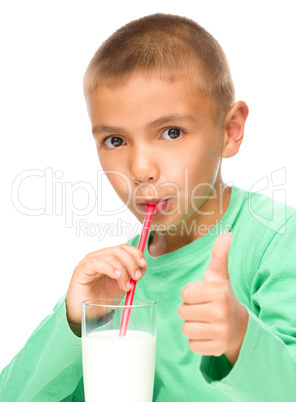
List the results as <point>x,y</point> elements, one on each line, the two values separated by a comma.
<point>160,205</point>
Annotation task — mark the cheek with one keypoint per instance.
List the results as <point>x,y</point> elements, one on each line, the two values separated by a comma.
<point>202,174</point>
<point>120,183</point>
<point>202,179</point>
<point>206,161</point>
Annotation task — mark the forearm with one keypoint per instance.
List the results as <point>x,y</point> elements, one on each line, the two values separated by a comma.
<point>48,367</point>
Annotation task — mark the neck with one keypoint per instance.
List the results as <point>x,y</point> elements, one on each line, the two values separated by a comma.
<point>194,227</point>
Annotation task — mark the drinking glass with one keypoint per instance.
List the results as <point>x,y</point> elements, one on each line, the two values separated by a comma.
<point>118,368</point>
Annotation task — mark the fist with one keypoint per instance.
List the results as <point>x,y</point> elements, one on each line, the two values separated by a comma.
<point>102,274</point>
<point>214,320</point>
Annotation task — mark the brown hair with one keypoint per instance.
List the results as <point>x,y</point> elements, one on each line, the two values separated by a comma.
<point>170,46</point>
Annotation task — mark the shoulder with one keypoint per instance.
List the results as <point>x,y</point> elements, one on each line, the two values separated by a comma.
<point>262,226</point>
<point>263,212</point>
<point>264,232</point>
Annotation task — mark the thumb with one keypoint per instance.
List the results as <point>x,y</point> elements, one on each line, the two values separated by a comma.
<point>218,267</point>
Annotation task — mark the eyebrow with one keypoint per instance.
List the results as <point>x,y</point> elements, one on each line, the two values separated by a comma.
<point>100,129</point>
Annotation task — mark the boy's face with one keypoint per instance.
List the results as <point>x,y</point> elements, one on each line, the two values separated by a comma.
<point>158,140</point>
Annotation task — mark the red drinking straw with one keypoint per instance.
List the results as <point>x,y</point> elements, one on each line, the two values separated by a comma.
<point>130,294</point>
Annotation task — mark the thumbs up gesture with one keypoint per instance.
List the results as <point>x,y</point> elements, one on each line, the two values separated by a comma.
<point>215,321</point>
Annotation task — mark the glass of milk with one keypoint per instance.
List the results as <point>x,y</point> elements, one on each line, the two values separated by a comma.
<point>118,368</point>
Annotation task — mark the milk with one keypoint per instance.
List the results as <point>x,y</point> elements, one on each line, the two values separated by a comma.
<point>118,368</point>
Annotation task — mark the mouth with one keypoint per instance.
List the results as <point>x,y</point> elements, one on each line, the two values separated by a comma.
<point>160,205</point>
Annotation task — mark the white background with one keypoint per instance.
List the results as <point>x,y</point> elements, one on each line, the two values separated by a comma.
<point>45,49</point>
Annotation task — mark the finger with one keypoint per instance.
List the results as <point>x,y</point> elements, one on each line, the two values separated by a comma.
<point>137,253</point>
<point>218,267</point>
<point>133,258</point>
<point>205,312</point>
<point>92,268</point>
<point>202,292</point>
<point>119,270</point>
<point>129,258</point>
<point>206,347</point>
<point>199,331</point>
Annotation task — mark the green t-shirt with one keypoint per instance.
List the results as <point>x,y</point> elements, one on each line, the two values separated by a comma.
<point>262,269</point>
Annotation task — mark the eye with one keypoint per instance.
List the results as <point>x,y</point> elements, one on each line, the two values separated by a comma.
<point>113,142</point>
<point>173,133</point>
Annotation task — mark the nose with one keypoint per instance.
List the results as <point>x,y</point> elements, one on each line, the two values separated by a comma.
<point>144,167</point>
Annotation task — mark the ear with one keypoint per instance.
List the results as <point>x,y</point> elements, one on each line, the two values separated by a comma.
<point>234,128</point>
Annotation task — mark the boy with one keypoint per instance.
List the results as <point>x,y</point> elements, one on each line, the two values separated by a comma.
<point>161,103</point>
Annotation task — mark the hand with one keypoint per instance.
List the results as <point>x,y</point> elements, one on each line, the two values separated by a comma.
<point>102,274</point>
<point>215,321</point>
